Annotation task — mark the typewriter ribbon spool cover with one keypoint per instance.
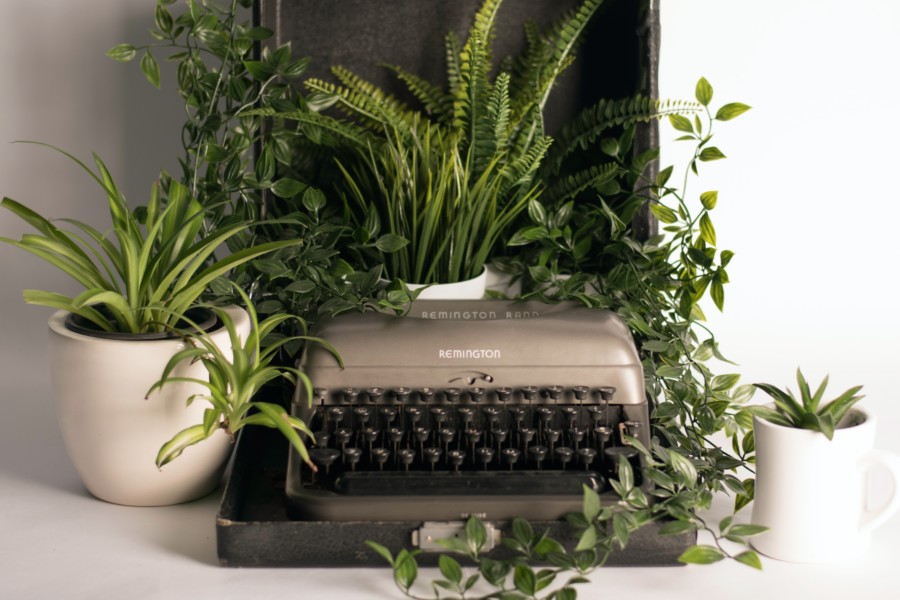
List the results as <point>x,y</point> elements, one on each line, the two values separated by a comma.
<point>495,408</point>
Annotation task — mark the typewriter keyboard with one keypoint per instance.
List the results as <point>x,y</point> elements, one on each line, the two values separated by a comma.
<point>455,441</point>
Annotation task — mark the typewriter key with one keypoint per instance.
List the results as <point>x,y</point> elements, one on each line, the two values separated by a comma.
<point>381,456</point>
<point>426,395</point>
<point>336,414</point>
<point>407,457</point>
<point>606,392</point>
<point>452,394</point>
<point>564,455</point>
<point>538,453</point>
<point>587,456</point>
<point>529,392</point>
<point>321,438</point>
<point>477,394</point>
<point>492,413</point>
<point>401,394</point>
<point>576,435</point>
<point>555,392</point>
<point>351,395</point>
<point>343,436</point>
<point>432,456</point>
<point>629,428</point>
<point>352,456</point>
<point>526,434</point>
<point>485,455</point>
<point>466,414</point>
<point>323,457</point>
<point>603,434</point>
<point>363,414</point>
<point>504,393</point>
<point>375,394</point>
<point>511,456</point>
<point>456,458</point>
<point>474,436</point>
<point>413,413</point>
<point>500,434</point>
<point>581,392</point>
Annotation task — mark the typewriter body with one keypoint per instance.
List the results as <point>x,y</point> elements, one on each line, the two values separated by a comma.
<point>493,408</point>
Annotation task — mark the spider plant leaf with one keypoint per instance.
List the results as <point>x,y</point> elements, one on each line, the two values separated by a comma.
<point>62,262</point>
<point>61,302</point>
<point>122,312</point>
<point>279,419</point>
<point>42,225</point>
<point>182,440</point>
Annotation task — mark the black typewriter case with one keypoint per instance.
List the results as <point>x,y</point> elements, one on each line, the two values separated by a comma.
<point>253,528</point>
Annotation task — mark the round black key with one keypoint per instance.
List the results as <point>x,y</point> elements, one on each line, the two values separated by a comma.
<point>527,434</point>
<point>352,456</point>
<point>504,393</point>
<point>456,458</point>
<point>587,456</point>
<point>596,412</point>
<point>395,434</point>
<point>553,435</point>
<point>343,435</point>
<point>492,413</point>
<point>485,455</point>
<point>370,434</point>
<point>581,392</point>
<point>477,394</point>
<point>544,413</point>
<point>380,455</point>
<point>529,392</point>
<point>452,394</point>
<point>414,413</point>
<point>388,413</point>
<point>439,414</point>
<point>473,435</point>
<point>632,428</point>
<point>432,456</point>
<point>538,453</point>
<point>500,435</point>
<point>401,394</point>
<point>407,457</point>
<point>375,394</point>
<point>421,433</point>
<point>351,395</point>
<point>555,392</point>
<point>321,438</point>
<point>518,413</point>
<point>323,457</point>
<point>336,414</point>
<point>607,392</point>
<point>363,414</point>
<point>614,452</point>
<point>447,434</point>
<point>576,434</point>
<point>564,454</point>
<point>466,414</point>
<point>511,456</point>
<point>603,433</point>
<point>426,395</point>
<point>570,413</point>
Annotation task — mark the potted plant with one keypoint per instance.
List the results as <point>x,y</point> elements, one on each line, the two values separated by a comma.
<point>812,459</point>
<point>237,371</point>
<point>447,182</point>
<point>109,343</point>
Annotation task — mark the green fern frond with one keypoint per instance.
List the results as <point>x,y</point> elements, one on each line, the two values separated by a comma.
<point>569,187</point>
<point>522,171</point>
<point>435,101</point>
<point>365,101</point>
<point>344,130</point>
<point>589,124</point>
<point>471,101</point>
<point>499,112</point>
<point>454,73</point>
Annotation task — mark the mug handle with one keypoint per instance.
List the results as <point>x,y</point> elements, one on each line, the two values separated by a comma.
<point>873,518</point>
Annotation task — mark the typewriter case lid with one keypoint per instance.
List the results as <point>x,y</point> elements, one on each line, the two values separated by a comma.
<point>485,343</point>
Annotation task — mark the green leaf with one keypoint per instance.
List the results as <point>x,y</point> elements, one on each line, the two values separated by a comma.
<point>405,570</point>
<point>476,534</point>
<point>314,199</point>
<point>590,504</point>
<point>182,440</point>
<point>522,532</point>
<point>150,68</point>
<point>707,230</point>
<point>731,110</point>
<point>701,555</point>
<point>390,243</point>
<point>677,527</point>
<point>703,92</point>
<point>663,213</point>
<point>525,580</point>
<point>722,383</point>
<point>300,286</point>
<point>259,70</point>
<point>717,293</point>
<point>287,187</point>
<point>450,569</point>
<point>681,123</point>
<point>709,199</point>
<point>384,552</point>
<point>587,540</point>
<point>536,212</point>
<point>664,176</point>
<point>711,153</point>
<point>747,530</point>
<point>749,558</point>
<point>122,52</point>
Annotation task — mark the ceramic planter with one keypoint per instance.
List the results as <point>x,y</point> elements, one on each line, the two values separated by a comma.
<point>811,492</point>
<point>112,433</point>
<point>470,289</point>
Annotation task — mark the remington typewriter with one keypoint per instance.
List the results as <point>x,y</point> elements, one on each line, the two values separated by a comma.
<point>493,408</point>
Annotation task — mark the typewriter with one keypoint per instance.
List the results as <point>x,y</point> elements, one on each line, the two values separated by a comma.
<point>492,408</point>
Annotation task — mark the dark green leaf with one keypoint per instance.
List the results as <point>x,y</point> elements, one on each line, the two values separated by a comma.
<point>524,579</point>
<point>590,503</point>
<point>122,52</point>
<point>384,552</point>
<point>677,527</point>
<point>288,188</point>
<point>313,199</point>
<point>476,534</point>
<point>150,68</point>
<point>522,532</point>
<point>587,540</point>
<point>450,568</point>
<point>300,286</point>
<point>390,242</point>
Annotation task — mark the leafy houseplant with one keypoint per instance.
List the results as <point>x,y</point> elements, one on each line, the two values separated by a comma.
<point>234,380</point>
<point>801,446</point>
<point>448,182</point>
<point>138,286</point>
<point>808,412</point>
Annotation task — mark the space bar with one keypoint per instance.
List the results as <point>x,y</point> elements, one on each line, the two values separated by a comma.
<point>424,483</point>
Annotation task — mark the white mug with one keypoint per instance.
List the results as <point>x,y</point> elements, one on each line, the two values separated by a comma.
<point>812,492</point>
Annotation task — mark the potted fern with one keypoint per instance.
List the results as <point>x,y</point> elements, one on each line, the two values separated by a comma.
<point>109,343</point>
<point>812,458</point>
<point>446,183</point>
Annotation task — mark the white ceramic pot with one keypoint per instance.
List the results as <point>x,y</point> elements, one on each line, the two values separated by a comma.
<point>470,289</point>
<point>112,433</point>
<point>812,492</point>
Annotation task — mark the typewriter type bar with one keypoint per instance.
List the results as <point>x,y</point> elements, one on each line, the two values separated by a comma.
<point>455,410</point>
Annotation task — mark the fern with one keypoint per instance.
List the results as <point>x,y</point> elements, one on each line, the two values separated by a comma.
<point>589,124</point>
<point>435,101</point>
<point>364,101</point>
<point>571,186</point>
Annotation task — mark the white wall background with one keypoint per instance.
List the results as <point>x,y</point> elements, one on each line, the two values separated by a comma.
<point>807,195</point>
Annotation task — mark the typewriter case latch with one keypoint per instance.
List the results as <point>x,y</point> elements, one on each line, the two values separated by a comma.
<point>426,537</point>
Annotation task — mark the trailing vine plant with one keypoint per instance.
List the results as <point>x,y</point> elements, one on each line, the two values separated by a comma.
<point>656,285</point>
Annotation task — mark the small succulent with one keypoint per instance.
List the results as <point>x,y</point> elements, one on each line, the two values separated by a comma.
<point>809,412</point>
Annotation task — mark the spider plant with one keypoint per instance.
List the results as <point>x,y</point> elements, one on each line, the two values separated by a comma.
<point>236,374</point>
<point>155,267</point>
<point>808,412</point>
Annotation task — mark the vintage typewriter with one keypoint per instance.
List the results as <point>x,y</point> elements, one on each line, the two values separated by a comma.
<point>494,408</point>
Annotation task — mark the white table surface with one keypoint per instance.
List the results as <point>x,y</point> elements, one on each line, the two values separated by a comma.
<point>56,541</point>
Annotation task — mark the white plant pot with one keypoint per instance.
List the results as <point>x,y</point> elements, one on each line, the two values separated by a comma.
<point>812,492</point>
<point>470,289</point>
<point>113,434</point>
